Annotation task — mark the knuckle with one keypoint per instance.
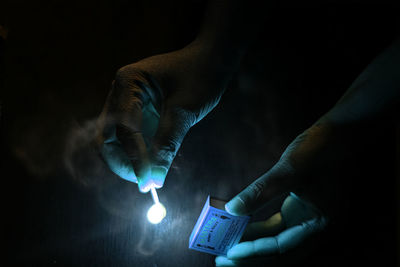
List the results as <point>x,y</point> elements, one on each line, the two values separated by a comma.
<point>320,223</point>
<point>184,117</point>
<point>128,76</point>
<point>315,225</point>
<point>128,92</point>
<point>280,249</point>
<point>256,188</point>
<point>286,165</point>
<point>166,153</point>
<point>122,75</point>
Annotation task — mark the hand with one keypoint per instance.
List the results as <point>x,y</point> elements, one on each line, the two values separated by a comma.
<point>303,163</point>
<point>152,105</point>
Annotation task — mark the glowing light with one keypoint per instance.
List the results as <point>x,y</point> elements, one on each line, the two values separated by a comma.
<point>156,213</point>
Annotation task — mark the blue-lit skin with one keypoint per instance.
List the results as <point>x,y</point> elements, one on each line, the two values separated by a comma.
<point>373,96</point>
<point>297,221</point>
<point>183,86</point>
<point>300,222</point>
<point>119,163</point>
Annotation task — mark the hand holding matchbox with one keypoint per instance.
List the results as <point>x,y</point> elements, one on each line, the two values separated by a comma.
<point>216,231</point>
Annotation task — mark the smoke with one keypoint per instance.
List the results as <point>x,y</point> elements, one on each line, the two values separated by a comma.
<point>37,147</point>
<point>122,199</point>
<point>220,156</point>
<point>82,157</point>
<point>85,166</point>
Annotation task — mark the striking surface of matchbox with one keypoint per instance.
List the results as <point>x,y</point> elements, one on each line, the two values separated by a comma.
<point>216,231</point>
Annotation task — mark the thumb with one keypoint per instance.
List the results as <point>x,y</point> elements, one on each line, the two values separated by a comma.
<point>278,180</point>
<point>173,126</point>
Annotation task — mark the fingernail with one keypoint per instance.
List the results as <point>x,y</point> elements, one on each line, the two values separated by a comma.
<point>143,188</point>
<point>236,252</point>
<point>236,206</point>
<point>158,174</point>
<point>223,261</point>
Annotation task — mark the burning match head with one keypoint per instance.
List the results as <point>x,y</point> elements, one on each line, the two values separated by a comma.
<point>156,213</point>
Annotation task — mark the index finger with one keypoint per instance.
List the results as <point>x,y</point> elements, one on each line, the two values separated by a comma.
<point>278,180</point>
<point>121,127</point>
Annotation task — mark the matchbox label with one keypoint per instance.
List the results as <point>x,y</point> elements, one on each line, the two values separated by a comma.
<point>217,231</point>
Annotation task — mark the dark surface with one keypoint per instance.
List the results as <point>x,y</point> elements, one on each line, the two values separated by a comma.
<point>59,61</point>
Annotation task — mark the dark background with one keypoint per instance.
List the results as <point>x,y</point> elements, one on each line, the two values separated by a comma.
<point>57,63</point>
